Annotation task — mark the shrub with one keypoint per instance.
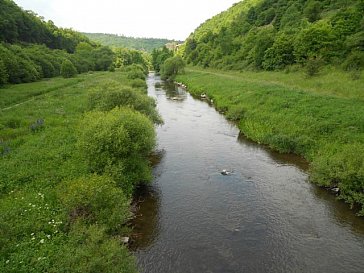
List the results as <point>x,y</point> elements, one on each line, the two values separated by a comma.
<point>89,250</point>
<point>355,61</point>
<point>95,199</point>
<point>3,73</point>
<point>110,141</point>
<point>313,66</point>
<point>139,84</point>
<point>136,74</point>
<point>68,70</point>
<point>113,94</point>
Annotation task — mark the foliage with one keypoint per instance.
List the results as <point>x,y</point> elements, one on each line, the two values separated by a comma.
<point>159,56</point>
<point>117,41</point>
<point>126,57</point>
<point>3,73</point>
<point>89,250</point>
<point>111,140</point>
<point>320,118</point>
<point>68,70</point>
<point>171,67</point>
<point>17,26</point>
<point>111,94</point>
<point>95,199</point>
<point>274,34</point>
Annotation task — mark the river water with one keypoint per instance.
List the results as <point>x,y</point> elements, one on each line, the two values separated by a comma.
<point>263,217</point>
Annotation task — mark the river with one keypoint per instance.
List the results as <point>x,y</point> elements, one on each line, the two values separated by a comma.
<point>263,217</point>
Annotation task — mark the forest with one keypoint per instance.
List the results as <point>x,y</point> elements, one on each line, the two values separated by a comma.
<point>113,40</point>
<point>278,34</point>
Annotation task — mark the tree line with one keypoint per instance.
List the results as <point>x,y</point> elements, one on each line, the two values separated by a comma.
<point>113,40</point>
<point>32,49</point>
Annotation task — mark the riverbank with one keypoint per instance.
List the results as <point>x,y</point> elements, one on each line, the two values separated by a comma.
<point>64,204</point>
<point>319,118</point>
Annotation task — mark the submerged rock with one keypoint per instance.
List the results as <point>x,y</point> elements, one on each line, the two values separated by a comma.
<point>225,172</point>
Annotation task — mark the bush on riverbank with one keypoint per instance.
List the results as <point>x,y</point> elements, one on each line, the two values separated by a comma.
<point>111,140</point>
<point>325,129</point>
<point>111,94</point>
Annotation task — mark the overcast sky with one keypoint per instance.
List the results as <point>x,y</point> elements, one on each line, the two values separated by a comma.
<point>138,18</point>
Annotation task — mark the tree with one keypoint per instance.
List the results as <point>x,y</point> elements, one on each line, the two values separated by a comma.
<point>171,67</point>
<point>68,70</point>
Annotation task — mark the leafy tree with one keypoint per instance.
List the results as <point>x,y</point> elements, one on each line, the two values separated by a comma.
<point>280,53</point>
<point>159,56</point>
<point>312,10</point>
<point>317,40</point>
<point>103,58</point>
<point>171,67</point>
<point>68,70</point>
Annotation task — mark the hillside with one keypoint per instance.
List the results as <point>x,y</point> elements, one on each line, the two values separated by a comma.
<point>146,44</point>
<point>32,49</point>
<point>20,26</point>
<point>274,34</point>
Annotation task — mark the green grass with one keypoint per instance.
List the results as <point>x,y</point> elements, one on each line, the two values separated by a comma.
<point>320,118</point>
<point>38,155</point>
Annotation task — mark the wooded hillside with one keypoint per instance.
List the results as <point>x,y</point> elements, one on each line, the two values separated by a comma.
<point>273,34</point>
<point>146,44</point>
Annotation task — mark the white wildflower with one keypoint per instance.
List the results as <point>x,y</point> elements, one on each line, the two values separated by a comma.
<point>42,241</point>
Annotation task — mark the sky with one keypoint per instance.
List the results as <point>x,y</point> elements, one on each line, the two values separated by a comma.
<point>170,19</point>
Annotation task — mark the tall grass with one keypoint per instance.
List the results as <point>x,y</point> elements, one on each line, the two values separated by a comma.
<point>320,118</point>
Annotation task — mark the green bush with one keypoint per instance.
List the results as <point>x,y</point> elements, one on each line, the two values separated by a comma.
<point>113,94</point>
<point>139,84</point>
<point>91,250</point>
<point>3,73</point>
<point>109,141</point>
<point>136,74</point>
<point>68,70</point>
<point>95,199</point>
<point>355,61</point>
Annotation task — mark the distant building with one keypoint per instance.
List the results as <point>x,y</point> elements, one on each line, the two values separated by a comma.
<point>173,46</point>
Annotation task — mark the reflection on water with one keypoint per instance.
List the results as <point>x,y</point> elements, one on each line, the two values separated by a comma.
<point>265,217</point>
<point>145,225</point>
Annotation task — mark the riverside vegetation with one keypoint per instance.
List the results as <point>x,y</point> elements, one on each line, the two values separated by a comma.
<point>70,160</point>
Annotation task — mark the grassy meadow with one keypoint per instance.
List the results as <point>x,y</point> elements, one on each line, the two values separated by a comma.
<point>58,212</point>
<point>320,118</point>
